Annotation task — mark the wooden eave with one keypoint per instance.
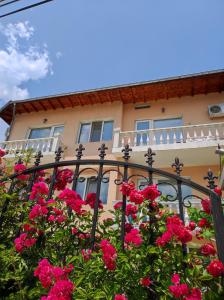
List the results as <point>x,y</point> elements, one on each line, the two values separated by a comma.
<point>190,85</point>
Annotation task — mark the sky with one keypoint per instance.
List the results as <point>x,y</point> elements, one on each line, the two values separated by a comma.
<point>73,45</point>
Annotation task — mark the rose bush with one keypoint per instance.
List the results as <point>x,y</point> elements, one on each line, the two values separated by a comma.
<point>46,251</point>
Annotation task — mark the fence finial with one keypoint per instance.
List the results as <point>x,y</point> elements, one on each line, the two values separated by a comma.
<point>126,151</point>
<point>102,151</point>
<point>149,157</point>
<point>79,150</point>
<point>178,166</point>
<point>38,157</point>
<point>58,154</point>
<point>211,180</point>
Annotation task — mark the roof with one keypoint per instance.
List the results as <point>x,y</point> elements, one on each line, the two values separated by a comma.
<point>187,85</point>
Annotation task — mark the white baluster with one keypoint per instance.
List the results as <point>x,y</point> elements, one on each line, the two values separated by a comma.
<point>202,134</point>
<point>181,136</point>
<point>141,139</point>
<point>154,138</point>
<point>161,141</point>
<point>135,139</point>
<point>209,137</point>
<point>195,135</point>
<point>216,134</point>
<point>147,139</point>
<point>122,141</point>
<point>174,136</point>
<point>167,136</point>
<point>188,137</point>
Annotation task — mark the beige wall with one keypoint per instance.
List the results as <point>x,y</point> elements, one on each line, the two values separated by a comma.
<point>71,118</point>
<point>193,110</point>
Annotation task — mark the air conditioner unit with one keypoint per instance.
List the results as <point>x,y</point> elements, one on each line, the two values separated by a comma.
<point>216,110</point>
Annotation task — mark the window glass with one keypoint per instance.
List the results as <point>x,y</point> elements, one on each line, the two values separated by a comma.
<point>107,131</point>
<point>40,133</point>
<point>90,186</point>
<point>80,188</point>
<point>58,130</point>
<point>165,137</point>
<point>84,133</point>
<point>142,138</point>
<point>96,132</point>
<point>167,189</point>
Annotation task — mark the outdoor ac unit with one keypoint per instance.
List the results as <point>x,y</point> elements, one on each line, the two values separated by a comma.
<point>216,110</point>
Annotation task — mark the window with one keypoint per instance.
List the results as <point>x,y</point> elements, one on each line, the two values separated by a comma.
<point>144,138</point>
<point>168,136</point>
<point>96,131</point>
<point>90,186</point>
<point>45,132</point>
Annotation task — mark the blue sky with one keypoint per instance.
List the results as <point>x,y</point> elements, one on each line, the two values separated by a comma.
<point>84,44</point>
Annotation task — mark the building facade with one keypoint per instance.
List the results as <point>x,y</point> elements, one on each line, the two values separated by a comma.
<point>176,117</point>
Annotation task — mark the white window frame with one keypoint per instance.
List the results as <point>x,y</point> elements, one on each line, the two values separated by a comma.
<point>151,122</point>
<point>91,123</point>
<point>49,126</point>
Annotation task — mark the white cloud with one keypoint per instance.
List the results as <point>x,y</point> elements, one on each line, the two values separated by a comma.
<point>58,54</point>
<point>20,61</point>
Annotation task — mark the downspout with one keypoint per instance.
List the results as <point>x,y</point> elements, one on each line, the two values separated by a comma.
<point>12,122</point>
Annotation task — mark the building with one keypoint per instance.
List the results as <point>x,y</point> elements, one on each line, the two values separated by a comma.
<point>181,116</point>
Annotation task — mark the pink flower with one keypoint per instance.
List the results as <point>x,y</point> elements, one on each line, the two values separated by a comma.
<point>51,218</point>
<point>118,205</point>
<point>194,295</point>
<point>136,197</point>
<point>23,241</point>
<point>39,190</point>
<point>38,211</point>
<point>175,279</point>
<point>203,223</point>
<point>133,237</point>
<point>74,230</point>
<point>120,297</point>
<point>126,188</point>
<point>63,177</point>
<point>151,192</point>
<point>72,200</point>
<point>164,239</point>
<point>192,225</point>
<point>179,290</point>
<point>218,191</point>
<point>19,168</point>
<point>48,274</point>
<point>131,209</point>
<point>2,152</point>
<point>86,254</point>
<point>145,281</point>
<point>215,268</point>
<point>62,290</point>
<point>91,199</point>
<point>208,249</point>
<point>109,255</point>
<point>206,205</point>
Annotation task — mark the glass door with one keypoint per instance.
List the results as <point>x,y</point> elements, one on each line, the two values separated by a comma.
<point>143,137</point>
<point>167,136</point>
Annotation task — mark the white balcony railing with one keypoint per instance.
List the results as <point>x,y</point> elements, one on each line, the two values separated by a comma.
<point>45,145</point>
<point>173,135</point>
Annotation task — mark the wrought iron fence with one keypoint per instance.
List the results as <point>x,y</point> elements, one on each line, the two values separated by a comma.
<point>126,171</point>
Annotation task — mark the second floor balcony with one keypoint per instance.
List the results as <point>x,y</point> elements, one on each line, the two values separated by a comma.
<point>201,140</point>
<point>47,146</point>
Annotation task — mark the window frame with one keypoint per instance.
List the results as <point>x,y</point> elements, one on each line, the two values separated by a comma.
<point>52,127</point>
<point>151,122</point>
<point>89,137</point>
<point>86,184</point>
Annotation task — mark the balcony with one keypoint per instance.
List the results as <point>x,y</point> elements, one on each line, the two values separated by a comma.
<point>46,145</point>
<point>195,144</point>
